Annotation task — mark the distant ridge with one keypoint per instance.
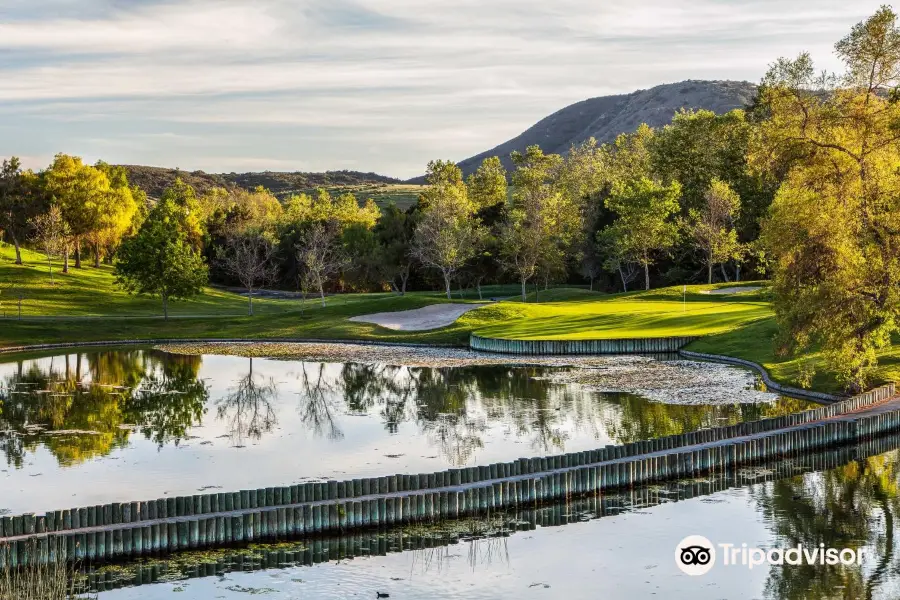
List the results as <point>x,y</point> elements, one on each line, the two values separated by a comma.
<point>606,117</point>
<point>154,180</point>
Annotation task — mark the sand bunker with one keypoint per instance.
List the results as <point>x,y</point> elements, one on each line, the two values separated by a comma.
<point>420,319</point>
<point>733,290</point>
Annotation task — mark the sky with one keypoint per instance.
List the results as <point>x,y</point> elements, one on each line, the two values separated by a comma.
<point>370,85</point>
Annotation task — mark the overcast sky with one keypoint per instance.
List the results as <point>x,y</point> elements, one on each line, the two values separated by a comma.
<point>373,85</point>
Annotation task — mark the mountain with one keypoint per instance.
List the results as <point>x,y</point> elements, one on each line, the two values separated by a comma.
<point>606,117</point>
<point>154,180</point>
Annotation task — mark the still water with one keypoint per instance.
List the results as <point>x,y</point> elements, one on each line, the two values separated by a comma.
<point>92,427</point>
<point>627,553</point>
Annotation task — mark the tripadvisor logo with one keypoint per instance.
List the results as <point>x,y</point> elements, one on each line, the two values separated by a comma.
<point>696,555</point>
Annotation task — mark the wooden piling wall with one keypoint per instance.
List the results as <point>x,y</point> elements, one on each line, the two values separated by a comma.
<point>128,529</point>
<point>611,346</point>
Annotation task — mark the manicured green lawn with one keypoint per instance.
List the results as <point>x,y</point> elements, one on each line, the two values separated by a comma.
<point>580,314</point>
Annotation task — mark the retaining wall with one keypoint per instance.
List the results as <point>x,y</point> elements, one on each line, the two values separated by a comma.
<point>121,530</point>
<point>320,549</point>
<point>619,346</point>
<point>772,385</point>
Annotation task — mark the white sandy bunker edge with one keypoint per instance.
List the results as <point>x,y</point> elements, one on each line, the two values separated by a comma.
<point>419,319</point>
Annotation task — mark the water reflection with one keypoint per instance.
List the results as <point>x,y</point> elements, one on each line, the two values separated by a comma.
<point>848,505</point>
<point>236,422</point>
<point>85,405</point>
<point>248,408</point>
<point>852,506</point>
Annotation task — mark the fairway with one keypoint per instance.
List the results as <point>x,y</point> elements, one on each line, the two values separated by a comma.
<point>581,315</point>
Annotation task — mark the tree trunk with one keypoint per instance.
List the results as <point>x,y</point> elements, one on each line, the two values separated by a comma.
<point>66,259</point>
<point>165,302</point>
<point>18,249</point>
<point>77,254</point>
<point>709,272</point>
<point>646,276</point>
<point>537,292</point>
<point>523,290</point>
<point>724,274</point>
<point>447,285</point>
<point>592,284</point>
<point>321,290</point>
<point>97,256</point>
<point>478,285</point>
<point>50,266</point>
<point>404,277</point>
<point>737,272</point>
<point>624,283</point>
<point>250,302</point>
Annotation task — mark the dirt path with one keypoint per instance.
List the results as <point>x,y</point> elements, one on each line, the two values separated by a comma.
<point>419,319</point>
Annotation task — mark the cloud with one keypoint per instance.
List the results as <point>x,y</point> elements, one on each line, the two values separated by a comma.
<point>379,84</point>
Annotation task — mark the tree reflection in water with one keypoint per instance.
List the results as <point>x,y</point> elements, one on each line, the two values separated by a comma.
<point>85,405</point>
<point>248,409</point>
<point>317,401</point>
<point>851,506</point>
<point>99,398</point>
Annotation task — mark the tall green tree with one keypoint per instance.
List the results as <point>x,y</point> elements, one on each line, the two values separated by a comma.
<point>394,234</point>
<point>447,233</point>
<point>711,226</point>
<point>645,222</point>
<point>20,201</point>
<point>83,194</point>
<point>161,260</point>
<point>487,186</point>
<point>833,232</point>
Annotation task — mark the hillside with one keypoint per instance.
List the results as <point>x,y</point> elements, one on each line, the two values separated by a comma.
<point>605,117</point>
<point>154,180</point>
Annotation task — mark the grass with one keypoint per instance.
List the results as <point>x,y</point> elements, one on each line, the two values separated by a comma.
<point>567,314</point>
<point>52,581</point>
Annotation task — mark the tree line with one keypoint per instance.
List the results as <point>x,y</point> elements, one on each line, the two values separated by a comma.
<point>802,186</point>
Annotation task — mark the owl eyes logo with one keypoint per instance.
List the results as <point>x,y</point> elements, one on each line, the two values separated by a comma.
<point>695,555</point>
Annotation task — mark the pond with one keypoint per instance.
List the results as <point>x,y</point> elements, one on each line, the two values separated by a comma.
<point>625,553</point>
<point>90,427</point>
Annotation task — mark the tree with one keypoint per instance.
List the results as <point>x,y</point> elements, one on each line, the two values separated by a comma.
<point>521,244</point>
<point>15,204</point>
<point>394,238</point>
<point>712,227</point>
<point>50,231</point>
<point>115,214</point>
<point>487,185</point>
<point>84,196</point>
<point>336,215</point>
<point>248,256</point>
<point>832,234</point>
<point>160,260</point>
<point>446,234</point>
<point>644,224</point>
<point>320,253</point>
